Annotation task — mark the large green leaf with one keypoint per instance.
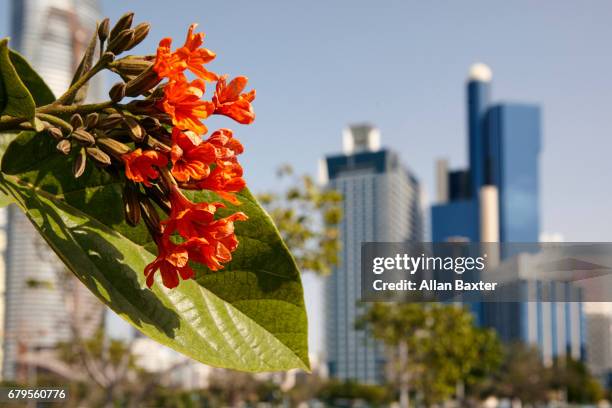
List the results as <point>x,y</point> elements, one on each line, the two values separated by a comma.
<point>41,93</point>
<point>15,99</point>
<point>249,316</point>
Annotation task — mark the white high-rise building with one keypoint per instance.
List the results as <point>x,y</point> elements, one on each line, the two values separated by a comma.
<point>52,35</point>
<point>381,203</point>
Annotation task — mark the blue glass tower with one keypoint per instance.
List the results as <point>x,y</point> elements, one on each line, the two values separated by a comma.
<point>504,144</point>
<point>514,148</point>
<point>478,100</point>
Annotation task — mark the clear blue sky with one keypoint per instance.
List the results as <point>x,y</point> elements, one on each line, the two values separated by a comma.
<point>401,65</point>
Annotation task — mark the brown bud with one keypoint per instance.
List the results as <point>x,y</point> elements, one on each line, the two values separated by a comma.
<point>112,146</point>
<point>120,43</point>
<point>103,30</point>
<point>64,146</point>
<point>124,22</point>
<point>83,136</point>
<point>150,216</point>
<point>144,106</point>
<point>131,205</point>
<point>150,123</point>
<point>55,133</point>
<point>79,164</point>
<point>117,92</point>
<point>131,66</point>
<point>91,120</point>
<point>160,196</point>
<point>136,132</point>
<point>140,33</point>
<point>144,82</point>
<point>110,121</point>
<point>99,156</point>
<point>76,121</point>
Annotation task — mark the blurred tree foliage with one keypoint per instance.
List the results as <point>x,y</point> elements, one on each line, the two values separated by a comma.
<point>434,349</point>
<point>349,393</point>
<point>573,379</point>
<point>307,217</point>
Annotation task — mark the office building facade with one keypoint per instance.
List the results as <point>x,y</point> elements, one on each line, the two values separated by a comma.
<point>380,203</point>
<point>52,35</point>
<point>496,199</point>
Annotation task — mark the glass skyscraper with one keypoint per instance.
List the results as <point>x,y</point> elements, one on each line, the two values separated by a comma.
<point>52,35</point>
<point>381,203</point>
<point>497,200</point>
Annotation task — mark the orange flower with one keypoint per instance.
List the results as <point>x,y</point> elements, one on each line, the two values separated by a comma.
<point>182,103</point>
<point>216,246</point>
<point>226,177</point>
<point>208,241</point>
<point>190,56</point>
<point>226,147</point>
<point>229,100</point>
<point>172,261</point>
<point>224,180</point>
<point>167,64</point>
<point>139,165</point>
<point>187,218</point>
<point>195,57</point>
<point>190,156</point>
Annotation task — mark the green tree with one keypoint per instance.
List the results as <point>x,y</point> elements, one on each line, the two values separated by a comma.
<point>431,347</point>
<point>521,375</point>
<point>307,217</point>
<point>573,379</point>
<point>350,393</point>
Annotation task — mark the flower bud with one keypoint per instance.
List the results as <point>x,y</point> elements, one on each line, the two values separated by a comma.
<point>120,43</point>
<point>83,136</point>
<point>112,146</point>
<point>110,121</point>
<point>117,92</point>
<point>160,197</point>
<point>76,121</point>
<point>140,33</point>
<point>55,133</point>
<point>144,82</point>
<point>136,132</point>
<point>150,216</point>
<point>64,146</point>
<point>99,156</point>
<point>91,120</point>
<point>103,30</point>
<point>131,205</point>
<point>124,22</point>
<point>150,123</point>
<point>132,66</point>
<point>79,164</point>
<point>107,58</point>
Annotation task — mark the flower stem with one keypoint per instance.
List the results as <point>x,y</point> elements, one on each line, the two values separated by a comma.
<point>55,121</point>
<point>11,123</point>
<point>68,96</point>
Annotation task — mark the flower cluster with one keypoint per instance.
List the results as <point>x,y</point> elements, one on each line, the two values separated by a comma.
<point>159,145</point>
<point>192,232</point>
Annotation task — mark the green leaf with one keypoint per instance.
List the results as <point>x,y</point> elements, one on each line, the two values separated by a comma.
<point>16,99</point>
<point>5,140</point>
<point>40,91</point>
<point>249,316</point>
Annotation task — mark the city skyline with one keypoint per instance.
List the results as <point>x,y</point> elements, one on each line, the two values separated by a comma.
<point>425,113</point>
